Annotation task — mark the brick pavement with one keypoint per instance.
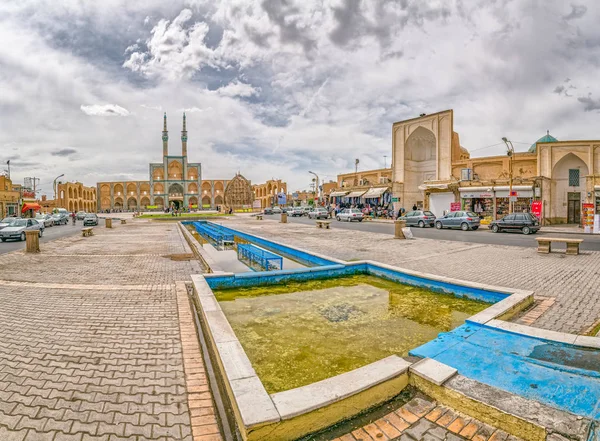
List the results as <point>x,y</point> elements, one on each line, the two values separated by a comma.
<point>96,341</point>
<point>422,419</point>
<point>572,281</point>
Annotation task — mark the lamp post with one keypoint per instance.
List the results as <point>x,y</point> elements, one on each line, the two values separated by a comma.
<point>510,151</point>
<point>54,186</point>
<point>317,185</point>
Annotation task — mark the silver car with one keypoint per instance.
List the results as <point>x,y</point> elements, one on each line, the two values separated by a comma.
<point>60,219</point>
<point>419,218</point>
<point>46,219</point>
<point>7,221</point>
<point>318,213</point>
<point>465,220</point>
<point>350,214</point>
<point>17,229</point>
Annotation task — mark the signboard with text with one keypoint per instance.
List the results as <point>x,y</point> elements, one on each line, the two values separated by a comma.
<point>536,208</point>
<point>588,217</point>
<point>454,206</point>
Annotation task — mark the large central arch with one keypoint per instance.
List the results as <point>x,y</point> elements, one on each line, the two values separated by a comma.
<point>419,164</point>
<point>567,198</point>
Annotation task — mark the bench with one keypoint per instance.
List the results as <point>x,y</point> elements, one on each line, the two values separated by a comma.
<point>545,244</point>
<point>123,221</point>
<point>323,223</point>
<point>87,231</point>
<point>259,217</point>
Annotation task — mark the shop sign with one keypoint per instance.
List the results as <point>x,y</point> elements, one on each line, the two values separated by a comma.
<point>477,195</point>
<point>256,203</point>
<point>454,206</point>
<point>536,208</point>
<point>151,206</point>
<point>398,199</point>
<point>588,217</point>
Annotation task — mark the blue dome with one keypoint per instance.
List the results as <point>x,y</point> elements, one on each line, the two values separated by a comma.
<point>546,138</point>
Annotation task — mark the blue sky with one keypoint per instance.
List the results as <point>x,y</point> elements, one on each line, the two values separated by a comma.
<point>274,88</point>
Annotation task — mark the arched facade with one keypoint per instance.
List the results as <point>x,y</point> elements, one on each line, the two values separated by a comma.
<point>76,196</point>
<point>267,193</point>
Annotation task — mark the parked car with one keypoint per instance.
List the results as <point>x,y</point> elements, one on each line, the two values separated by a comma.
<point>465,220</point>
<point>46,219</point>
<point>419,218</point>
<point>307,210</point>
<point>60,219</point>
<point>277,210</point>
<point>7,221</point>
<point>318,213</point>
<point>17,229</point>
<point>81,215</point>
<point>524,222</point>
<point>268,210</point>
<point>90,219</point>
<point>296,211</point>
<point>350,214</point>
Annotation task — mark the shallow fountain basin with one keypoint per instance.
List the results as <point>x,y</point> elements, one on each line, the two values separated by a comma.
<point>291,414</point>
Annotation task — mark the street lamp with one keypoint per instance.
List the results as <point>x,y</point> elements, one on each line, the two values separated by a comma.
<point>317,183</point>
<point>54,186</point>
<point>510,151</point>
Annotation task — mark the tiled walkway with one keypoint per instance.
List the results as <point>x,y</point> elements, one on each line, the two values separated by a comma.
<point>97,341</point>
<point>422,419</point>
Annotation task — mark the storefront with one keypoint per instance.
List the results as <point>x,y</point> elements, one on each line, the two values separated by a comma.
<point>377,197</point>
<point>597,198</point>
<point>335,197</point>
<point>521,205</point>
<point>354,197</point>
<point>479,200</point>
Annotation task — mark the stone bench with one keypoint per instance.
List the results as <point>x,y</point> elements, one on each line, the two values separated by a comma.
<point>545,244</point>
<point>323,223</point>
<point>123,221</point>
<point>89,231</point>
<point>259,217</point>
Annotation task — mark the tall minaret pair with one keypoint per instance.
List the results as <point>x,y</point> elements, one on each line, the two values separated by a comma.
<point>165,137</point>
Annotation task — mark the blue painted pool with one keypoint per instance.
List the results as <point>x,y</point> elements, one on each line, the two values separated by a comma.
<point>559,375</point>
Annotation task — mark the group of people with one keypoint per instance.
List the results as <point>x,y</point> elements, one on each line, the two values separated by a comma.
<point>376,211</point>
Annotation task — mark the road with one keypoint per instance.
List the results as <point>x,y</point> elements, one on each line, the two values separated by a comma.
<point>483,235</point>
<point>50,233</point>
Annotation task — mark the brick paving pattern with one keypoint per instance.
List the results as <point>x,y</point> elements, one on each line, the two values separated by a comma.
<point>570,280</point>
<point>91,343</point>
<point>422,419</point>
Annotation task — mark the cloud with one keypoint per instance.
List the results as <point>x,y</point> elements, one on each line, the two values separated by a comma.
<point>104,110</point>
<point>559,89</point>
<point>238,89</point>
<point>589,104</point>
<point>577,11</point>
<point>64,152</point>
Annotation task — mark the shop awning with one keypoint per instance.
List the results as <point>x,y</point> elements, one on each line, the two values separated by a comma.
<point>375,192</point>
<point>336,194</point>
<point>514,187</point>
<point>433,186</point>
<point>31,206</point>
<point>355,194</point>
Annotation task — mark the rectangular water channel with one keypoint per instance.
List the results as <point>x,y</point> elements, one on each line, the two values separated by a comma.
<point>302,332</point>
<point>226,255</point>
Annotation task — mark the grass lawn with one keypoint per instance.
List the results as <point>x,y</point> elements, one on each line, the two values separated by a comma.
<point>168,215</point>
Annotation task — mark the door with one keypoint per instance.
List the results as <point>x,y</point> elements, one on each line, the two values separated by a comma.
<point>574,208</point>
<point>440,202</point>
<point>453,219</point>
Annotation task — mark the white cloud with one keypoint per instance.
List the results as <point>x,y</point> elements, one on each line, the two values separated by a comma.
<point>104,110</point>
<point>238,89</point>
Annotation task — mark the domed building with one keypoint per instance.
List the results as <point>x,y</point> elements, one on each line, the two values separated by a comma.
<point>432,171</point>
<point>544,139</point>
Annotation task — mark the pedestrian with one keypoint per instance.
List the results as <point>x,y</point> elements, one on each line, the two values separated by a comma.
<point>414,207</point>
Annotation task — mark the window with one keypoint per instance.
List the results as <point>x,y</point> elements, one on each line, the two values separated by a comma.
<point>573,177</point>
<point>466,174</point>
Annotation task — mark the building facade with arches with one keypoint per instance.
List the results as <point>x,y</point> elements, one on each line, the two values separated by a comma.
<point>267,193</point>
<point>432,171</point>
<point>173,182</point>
<point>74,196</point>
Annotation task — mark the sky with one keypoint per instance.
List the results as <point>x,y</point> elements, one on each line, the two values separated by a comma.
<point>277,88</point>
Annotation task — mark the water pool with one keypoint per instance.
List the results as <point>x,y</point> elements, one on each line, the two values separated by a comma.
<point>302,332</point>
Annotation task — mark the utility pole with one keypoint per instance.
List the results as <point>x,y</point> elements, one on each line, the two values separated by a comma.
<point>384,161</point>
<point>8,163</point>
<point>510,151</point>
<point>356,172</point>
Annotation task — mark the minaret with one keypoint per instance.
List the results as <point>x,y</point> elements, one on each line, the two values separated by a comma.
<point>184,138</point>
<point>165,137</point>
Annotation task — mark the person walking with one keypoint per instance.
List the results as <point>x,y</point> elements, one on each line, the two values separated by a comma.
<point>414,207</point>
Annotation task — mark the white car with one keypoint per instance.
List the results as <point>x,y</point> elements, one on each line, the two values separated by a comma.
<point>318,213</point>
<point>350,214</point>
<point>17,229</point>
